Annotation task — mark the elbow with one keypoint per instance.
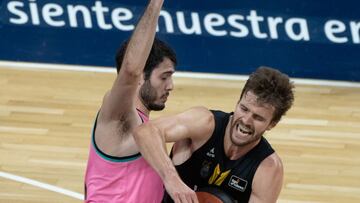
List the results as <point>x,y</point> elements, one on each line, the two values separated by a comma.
<point>138,132</point>
<point>144,131</point>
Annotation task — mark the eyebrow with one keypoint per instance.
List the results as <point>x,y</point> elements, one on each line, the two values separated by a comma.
<point>168,72</point>
<point>254,114</point>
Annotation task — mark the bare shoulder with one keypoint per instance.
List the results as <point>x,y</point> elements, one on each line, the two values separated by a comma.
<point>270,169</point>
<point>268,179</point>
<point>272,162</point>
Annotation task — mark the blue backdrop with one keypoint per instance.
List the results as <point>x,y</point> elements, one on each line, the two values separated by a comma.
<point>304,38</point>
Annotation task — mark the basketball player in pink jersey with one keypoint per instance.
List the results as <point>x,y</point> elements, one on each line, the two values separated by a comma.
<point>116,171</point>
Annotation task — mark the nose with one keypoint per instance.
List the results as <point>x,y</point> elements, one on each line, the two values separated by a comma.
<point>247,119</point>
<point>170,85</point>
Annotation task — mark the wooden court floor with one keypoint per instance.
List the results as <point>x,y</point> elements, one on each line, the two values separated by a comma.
<point>46,119</point>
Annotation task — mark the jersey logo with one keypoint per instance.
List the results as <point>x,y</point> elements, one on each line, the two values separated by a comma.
<point>218,177</point>
<point>205,169</point>
<point>237,183</point>
<point>211,153</point>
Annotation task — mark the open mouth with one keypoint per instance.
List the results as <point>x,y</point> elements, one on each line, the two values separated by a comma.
<point>244,130</point>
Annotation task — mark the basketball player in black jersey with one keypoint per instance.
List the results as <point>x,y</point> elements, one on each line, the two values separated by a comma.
<point>219,150</point>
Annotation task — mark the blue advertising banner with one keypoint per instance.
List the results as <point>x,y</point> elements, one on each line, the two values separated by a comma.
<point>303,38</point>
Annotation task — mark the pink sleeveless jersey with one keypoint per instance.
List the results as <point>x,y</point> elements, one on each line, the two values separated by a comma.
<point>120,179</point>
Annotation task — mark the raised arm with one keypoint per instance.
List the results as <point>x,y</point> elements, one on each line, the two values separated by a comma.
<point>120,100</point>
<point>267,182</point>
<point>196,124</point>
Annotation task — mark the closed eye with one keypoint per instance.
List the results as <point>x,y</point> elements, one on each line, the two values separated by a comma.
<point>259,118</point>
<point>243,108</point>
<point>166,75</point>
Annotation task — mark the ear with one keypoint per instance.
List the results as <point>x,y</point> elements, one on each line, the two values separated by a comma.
<point>271,125</point>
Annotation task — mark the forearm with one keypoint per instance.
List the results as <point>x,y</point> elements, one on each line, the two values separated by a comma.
<point>150,139</point>
<point>151,144</point>
<point>142,38</point>
<point>123,91</point>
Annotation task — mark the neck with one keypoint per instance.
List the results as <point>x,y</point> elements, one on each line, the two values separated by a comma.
<point>233,151</point>
<point>139,105</point>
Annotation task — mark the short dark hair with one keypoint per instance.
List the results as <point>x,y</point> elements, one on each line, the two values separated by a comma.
<point>158,52</point>
<point>271,87</point>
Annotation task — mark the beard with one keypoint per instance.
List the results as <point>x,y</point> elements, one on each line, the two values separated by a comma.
<point>251,139</point>
<point>149,96</point>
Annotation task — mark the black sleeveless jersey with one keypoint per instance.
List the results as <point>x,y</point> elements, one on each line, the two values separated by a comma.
<point>209,166</point>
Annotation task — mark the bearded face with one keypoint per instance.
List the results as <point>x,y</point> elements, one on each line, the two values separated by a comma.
<point>155,90</point>
<point>150,97</point>
<point>250,120</point>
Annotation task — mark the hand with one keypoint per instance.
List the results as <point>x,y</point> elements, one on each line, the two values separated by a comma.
<point>179,191</point>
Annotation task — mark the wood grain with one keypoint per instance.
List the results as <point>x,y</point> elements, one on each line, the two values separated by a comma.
<point>46,119</point>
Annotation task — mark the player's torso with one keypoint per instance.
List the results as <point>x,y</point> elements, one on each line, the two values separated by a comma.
<point>209,166</point>
<point>127,178</point>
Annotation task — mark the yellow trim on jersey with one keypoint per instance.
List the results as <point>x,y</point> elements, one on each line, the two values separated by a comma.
<point>218,177</point>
